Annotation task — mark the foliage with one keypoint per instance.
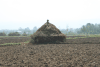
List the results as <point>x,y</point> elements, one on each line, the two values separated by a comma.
<point>2,34</point>
<point>89,29</point>
<point>14,34</point>
<point>24,34</point>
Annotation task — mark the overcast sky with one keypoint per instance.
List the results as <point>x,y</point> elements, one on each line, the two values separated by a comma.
<point>61,13</point>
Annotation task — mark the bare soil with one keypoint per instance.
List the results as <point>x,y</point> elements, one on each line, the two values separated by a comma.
<point>13,39</point>
<point>52,55</point>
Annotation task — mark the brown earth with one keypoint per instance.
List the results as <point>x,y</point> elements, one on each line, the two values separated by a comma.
<point>89,40</point>
<point>52,55</point>
<point>13,39</point>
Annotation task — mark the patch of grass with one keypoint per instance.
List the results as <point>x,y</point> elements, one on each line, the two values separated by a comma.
<point>15,43</point>
<point>92,35</point>
<point>75,37</point>
<point>86,36</point>
<point>69,38</point>
<point>0,39</point>
<point>11,44</point>
<point>27,41</point>
<point>72,38</point>
<point>96,35</point>
<point>14,36</point>
<point>78,37</point>
<point>82,37</point>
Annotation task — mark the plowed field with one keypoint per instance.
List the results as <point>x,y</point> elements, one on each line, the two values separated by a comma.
<point>82,52</point>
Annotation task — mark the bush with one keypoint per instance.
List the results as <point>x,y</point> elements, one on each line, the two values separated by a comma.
<point>24,34</point>
<point>2,34</point>
<point>14,34</point>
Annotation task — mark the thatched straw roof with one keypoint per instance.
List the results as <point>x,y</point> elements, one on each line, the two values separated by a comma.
<point>48,32</point>
<point>48,29</point>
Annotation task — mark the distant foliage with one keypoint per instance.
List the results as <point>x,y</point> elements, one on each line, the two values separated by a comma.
<point>14,34</point>
<point>90,29</point>
<point>2,34</point>
<point>24,34</point>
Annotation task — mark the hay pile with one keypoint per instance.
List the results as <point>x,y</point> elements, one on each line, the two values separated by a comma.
<point>47,33</point>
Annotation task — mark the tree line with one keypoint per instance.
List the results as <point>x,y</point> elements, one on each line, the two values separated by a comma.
<point>89,28</point>
<point>18,32</point>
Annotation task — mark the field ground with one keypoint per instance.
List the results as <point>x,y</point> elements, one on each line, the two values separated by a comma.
<point>81,39</point>
<point>13,40</point>
<point>77,51</point>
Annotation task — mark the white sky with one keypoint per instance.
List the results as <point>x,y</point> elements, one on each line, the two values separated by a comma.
<point>62,13</point>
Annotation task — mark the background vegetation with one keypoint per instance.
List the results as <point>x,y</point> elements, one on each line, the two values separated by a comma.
<point>14,34</point>
<point>2,34</point>
<point>87,29</point>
